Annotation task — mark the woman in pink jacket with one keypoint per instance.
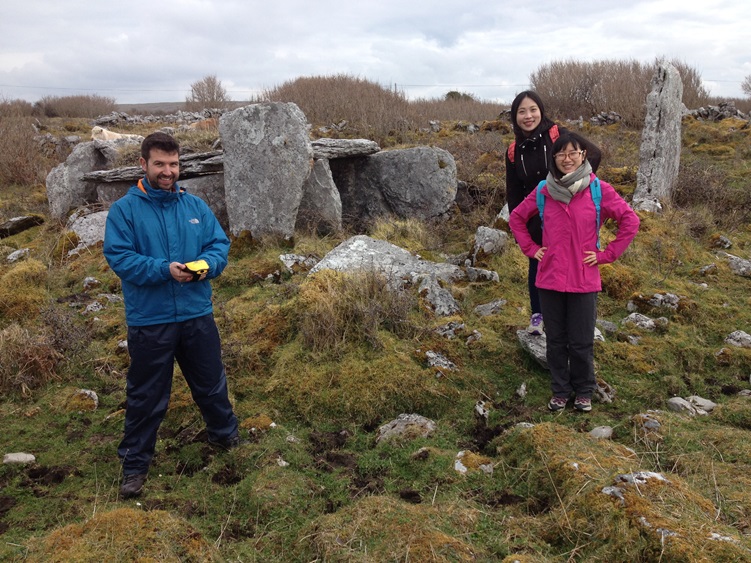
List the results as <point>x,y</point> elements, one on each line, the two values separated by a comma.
<point>568,277</point>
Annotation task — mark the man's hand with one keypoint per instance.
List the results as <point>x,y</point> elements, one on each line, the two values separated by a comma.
<point>181,273</point>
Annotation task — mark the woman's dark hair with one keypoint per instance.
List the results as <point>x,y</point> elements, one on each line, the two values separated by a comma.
<point>545,123</point>
<point>578,142</point>
<point>160,141</point>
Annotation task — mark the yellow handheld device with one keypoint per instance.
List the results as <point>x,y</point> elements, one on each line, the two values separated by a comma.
<point>197,267</point>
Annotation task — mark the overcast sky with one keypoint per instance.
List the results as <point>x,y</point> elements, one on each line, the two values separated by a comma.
<point>153,50</point>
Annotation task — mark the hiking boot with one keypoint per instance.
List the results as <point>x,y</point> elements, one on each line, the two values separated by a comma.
<point>583,404</point>
<point>132,485</point>
<point>229,443</point>
<point>557,403</point>
<point>536,326</point>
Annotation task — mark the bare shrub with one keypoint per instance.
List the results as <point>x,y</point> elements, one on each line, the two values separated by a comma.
<point>90,105</point>
<point>575,88</point>
<point>207,93</point>
<point>15,108</point>
<point>339,308</point>
<point>21,160</point>
<point>372,111</point>
<point>27,361</point>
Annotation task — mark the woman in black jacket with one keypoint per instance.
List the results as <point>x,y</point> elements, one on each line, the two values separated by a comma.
<point>528,160</point>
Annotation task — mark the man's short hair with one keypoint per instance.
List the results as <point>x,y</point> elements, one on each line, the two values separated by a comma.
<point>160,141</point>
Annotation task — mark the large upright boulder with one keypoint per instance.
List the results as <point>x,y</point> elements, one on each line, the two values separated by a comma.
<point>660,151</point>
<point>267,157</point>
<point>417,182</point>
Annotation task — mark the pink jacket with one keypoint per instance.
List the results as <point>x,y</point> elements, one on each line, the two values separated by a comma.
<point>569,231</point>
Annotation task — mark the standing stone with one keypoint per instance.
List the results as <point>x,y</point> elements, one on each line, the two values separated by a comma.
<point>267,157</point>
<point>660,151</point>
<point>321,206</point>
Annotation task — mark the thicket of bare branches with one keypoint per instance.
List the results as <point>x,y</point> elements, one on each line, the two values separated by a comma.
<point>573,88</point>
<point>372,109</point>
<point>89,105</point>
<point>207,93</point>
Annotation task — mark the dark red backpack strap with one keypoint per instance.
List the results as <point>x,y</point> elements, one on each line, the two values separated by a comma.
<point>511,151</point>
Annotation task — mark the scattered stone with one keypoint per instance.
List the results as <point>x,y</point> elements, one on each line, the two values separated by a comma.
<point>603,391</point>
<point>476,336</point>
<point>16,225</point>
<point>90,283</point>
<point>20,254</point>
<point>701,404</point>
<point>488,243</point>
<point>480,275</point>
<point>645,323</point>
<point>450,329</point>
<point>466,462</point>
<point>19,458</point>
<point>521,391</point>
<point>407,427</point>
<point>82,400</point>
<point>439,361</point>
<point>601,432</point>
<point>738,266</point>
<point>536,346</point>
<point>680,405</point>
<point>89,229</point>
<point>439,299</point>
<point>492,308</point>
<point>739,339</point>
<point>295,263</point>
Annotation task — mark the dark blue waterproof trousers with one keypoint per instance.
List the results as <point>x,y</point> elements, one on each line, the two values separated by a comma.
<point>153,350</point>
<point>570,335</point>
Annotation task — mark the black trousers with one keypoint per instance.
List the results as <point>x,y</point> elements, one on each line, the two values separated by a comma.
<point>153,350</point>
<point>569,330</point>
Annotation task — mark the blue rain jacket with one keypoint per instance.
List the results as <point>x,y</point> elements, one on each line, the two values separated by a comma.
<point>146,230</point>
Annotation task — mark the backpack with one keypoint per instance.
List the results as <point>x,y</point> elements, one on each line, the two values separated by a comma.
<point>594,189</point>
<point>553,132</point>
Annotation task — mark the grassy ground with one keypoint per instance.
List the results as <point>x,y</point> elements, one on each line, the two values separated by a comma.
<point>329,359</point>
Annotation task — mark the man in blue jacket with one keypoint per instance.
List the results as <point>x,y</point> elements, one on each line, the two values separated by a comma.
<point>151,233</point>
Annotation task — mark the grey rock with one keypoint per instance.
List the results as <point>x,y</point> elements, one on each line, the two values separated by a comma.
<point>16,225</point>
<point>739,266</point>
<point>417,182</point>
<point>701,404</point>
<point>440,299</point>
<point>362,252</point>
<point>602,432</point>
<point>681,405</point>
<point>267,157</point>
<point>488,242</point>
<point>406,426</point>
<point>16,255</point>
<point>66,188</point>
<point>321,205</point>
<point>660,149</point>
<point>536,346</point>
<point>450,329</point>
<point>343,148</point>
<point>19,458</point>
<point>739,338</point>
<point>492,308</point>
<point>89,228</point>
<point>439,361</point>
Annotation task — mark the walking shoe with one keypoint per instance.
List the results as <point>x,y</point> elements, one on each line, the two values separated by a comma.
<point>583,404</point>
<point>536,326</point>
<point>132,485</point>
<point>557,403</point>
<point>227,443</point>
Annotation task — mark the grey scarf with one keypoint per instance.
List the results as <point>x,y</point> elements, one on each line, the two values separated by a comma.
<point>569,185</point>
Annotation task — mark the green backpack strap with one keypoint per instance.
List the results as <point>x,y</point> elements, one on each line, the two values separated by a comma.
<point>596,192</point>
